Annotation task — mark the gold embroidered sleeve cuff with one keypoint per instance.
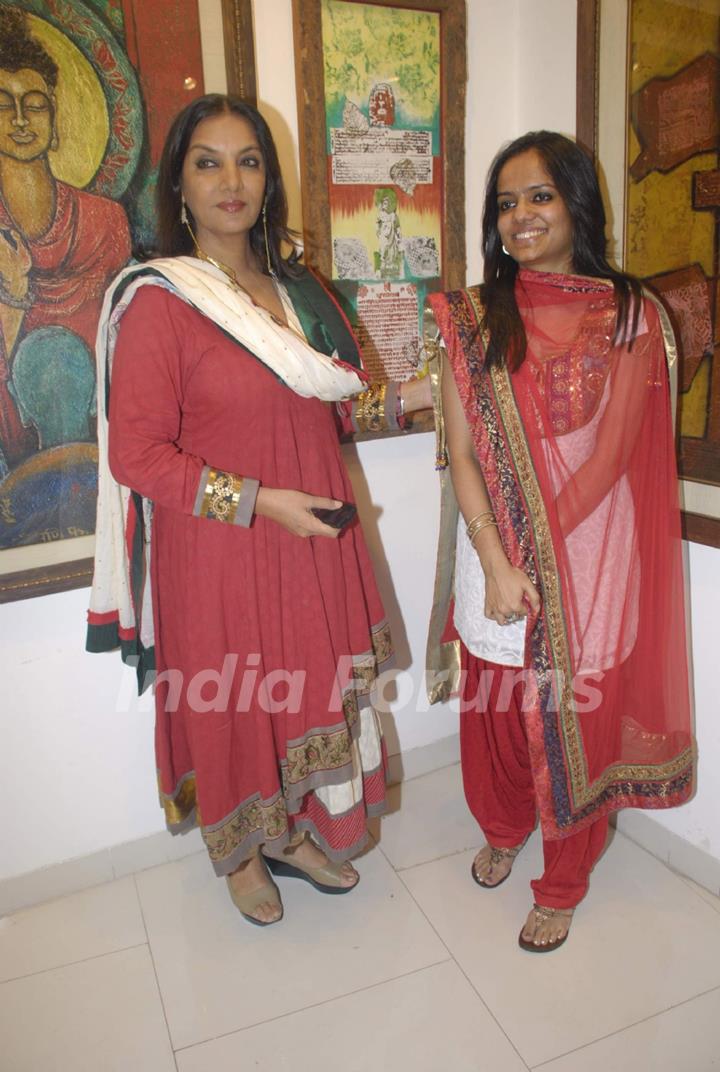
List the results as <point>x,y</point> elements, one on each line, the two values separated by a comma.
<point>226,497</point>
<point>375,410</point>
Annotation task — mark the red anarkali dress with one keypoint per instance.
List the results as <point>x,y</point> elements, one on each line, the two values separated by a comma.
<point>266,643</point>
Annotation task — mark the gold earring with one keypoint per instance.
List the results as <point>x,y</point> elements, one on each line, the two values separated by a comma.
<point>267,244</point>
<point>185,221</point>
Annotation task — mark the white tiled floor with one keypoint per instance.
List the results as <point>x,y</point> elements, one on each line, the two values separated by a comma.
<point>418,969</point>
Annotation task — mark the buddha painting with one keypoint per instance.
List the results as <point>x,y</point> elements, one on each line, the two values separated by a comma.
<point>59,247</point>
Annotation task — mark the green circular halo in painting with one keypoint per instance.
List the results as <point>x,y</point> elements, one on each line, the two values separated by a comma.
<point>116,76</point>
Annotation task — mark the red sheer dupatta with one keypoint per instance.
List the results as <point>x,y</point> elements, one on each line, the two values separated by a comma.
<point>578,454</point>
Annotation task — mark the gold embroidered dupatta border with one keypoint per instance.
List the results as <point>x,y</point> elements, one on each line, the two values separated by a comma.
<point>442,659</point>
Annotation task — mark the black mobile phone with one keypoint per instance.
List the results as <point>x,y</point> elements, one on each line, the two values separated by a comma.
<point>337,518</point>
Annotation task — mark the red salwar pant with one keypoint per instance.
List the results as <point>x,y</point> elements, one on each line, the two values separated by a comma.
<point>499,786</point>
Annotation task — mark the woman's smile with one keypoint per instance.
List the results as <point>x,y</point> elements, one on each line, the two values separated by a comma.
<point>529,236</point>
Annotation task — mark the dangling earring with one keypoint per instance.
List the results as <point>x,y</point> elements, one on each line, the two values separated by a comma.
<point>185,221</point>
<point>505,252</point>
<point>267,244</point>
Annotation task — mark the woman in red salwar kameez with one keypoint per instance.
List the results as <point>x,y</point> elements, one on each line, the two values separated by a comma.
<point>568,587</point>
<point>230,369</point>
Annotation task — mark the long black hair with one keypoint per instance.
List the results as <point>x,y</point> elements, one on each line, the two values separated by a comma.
<point>573,174</point>
<point>173,237</point>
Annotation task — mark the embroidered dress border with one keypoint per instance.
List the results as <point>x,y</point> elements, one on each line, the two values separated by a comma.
<point>321,758</point>
<point>255,821</point>
<point>324,757</point>
<point>251,823</point>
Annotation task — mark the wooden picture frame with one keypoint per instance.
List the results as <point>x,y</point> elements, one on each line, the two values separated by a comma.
<point>238,40</point>
<point>605,50</point>
<point>371,198</point>
<point>117,45</point>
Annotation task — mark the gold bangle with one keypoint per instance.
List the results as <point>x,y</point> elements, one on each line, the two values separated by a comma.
<point>471,525</point>
<point>483,513</point>
<point>479,526</point>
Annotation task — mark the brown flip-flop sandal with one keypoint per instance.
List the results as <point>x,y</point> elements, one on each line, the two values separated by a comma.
<point>497,853</point>
<point>542,915</point>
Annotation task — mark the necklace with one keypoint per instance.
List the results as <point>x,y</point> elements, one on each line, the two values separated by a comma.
<point>224,268</point>
<point>235,282</point>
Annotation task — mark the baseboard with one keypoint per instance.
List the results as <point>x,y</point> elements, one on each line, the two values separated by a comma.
<point>679,855</point>
<point>70,876</point>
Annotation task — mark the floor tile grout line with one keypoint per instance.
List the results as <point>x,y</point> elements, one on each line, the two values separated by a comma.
<point>155,973</point>
<point>432,860</point>
<point>72,963</point>
<point>315,1005</point>
<point>400,871</point>
<point>462,971</point>
<point>691,883</point>
<point>425,774</point>
<point>622,1030</point>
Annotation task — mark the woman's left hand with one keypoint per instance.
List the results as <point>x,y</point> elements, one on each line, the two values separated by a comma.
<point>509,592</point>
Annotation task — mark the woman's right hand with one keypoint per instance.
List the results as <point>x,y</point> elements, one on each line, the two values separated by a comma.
<point>416,394</point>
<point>293,510</point>
<point>508,591</point>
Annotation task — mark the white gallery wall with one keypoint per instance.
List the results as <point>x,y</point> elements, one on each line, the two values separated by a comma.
<point>76,757</point>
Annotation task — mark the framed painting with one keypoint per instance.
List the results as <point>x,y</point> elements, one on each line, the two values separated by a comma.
<point>649,107</point>
<point>88,89</point>
<point>381,101</point>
